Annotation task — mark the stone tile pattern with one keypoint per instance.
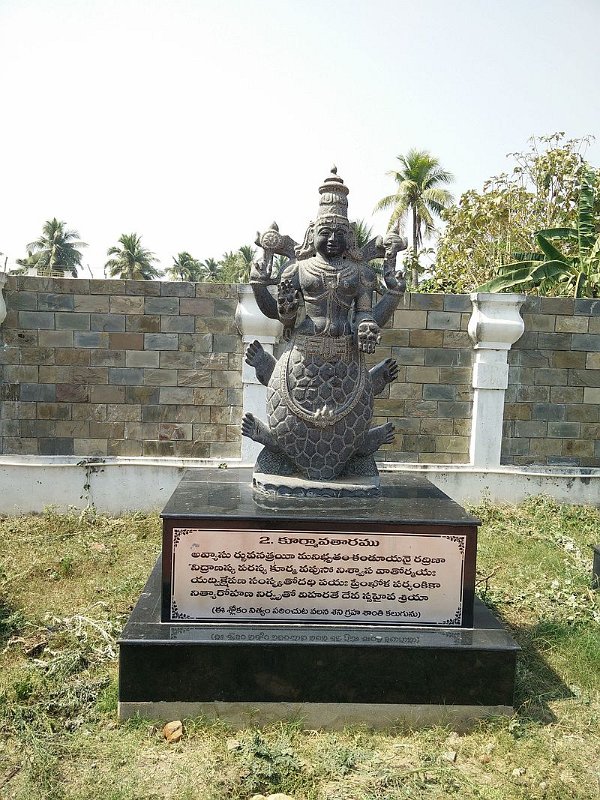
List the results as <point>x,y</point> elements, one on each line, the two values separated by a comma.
<point>552,405</point>
<point>147,368</point>
<point>120,368</point>
<point>430,403</point>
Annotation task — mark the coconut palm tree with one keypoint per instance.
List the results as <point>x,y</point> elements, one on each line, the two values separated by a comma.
<point>56,250</point>
<point>131,260</point>
<point>210,270</point>
<point>419,194</point>
<point>185,268</point>
<point>362,231</point>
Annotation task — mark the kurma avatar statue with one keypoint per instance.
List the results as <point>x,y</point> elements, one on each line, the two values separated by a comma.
<point>318,440</point>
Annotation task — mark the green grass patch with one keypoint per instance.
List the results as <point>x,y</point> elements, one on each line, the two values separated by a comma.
<point>69,581</point>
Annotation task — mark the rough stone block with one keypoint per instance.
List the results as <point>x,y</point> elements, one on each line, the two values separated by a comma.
<point>590,308</point>
<point>160,341</point>
<point>200,378</point>
<point>145,395</point>
<point>566,394</point>
<point>458,375</point>
<point>107,430</point>
<point>422,374</point>
<point>564,430</point>
<point>442,357</point>
<point>405,391</point>
<point>55,338</point>
<point>32,392</point>
<point>414,356</point>
<point>142,324</point>
<point>227,379</point>
<point>170,395</point>
<point>586,341</point>
<point>54,411</point>
<point>572,324</point>
<point>107,358</point>
<point>416,320</point>
<point>550,412</point>
<point>105,286</point>
<point>126,305</point>
<point>206,397</point>
<point>457,302</point>
<point>568,359</point>
<point>517,411</point>
<point>226,343</point>
<point>143,288</point>
<point>592,361</point>
<point>443,320</point>
<point>127,376</point>
<point>550,377</point>
<point>36,320</point>
<point>70,321</point>
<point>161,305</point>
<point>426,338</point>
<point>177,324</point>
<point>107,394</point>
<point>591,395</point>
<point>530,429</point>
<point>22,301</point>
<point>90,447</point>
<point>420,408</point>
<point>554,341</point>
<point>459,340</point>
<point>55,302</point>
<point>177,289</point>
<point>197,306</point>
<point>177,360</point>
<point>168,431</point>
<point>584,377</point>
<point>90,339</point>
<point>160,377</point>
<point>126,341</point>
<point>68,393</point>
<point>70,356</point>
<point>582,412</point>
<point>142,358</point>
<point>434,426</point>
<point>56,446</point>
<point>210,433</point>
<point>107,322</point>
<point>124,447</point>
<point>426,302</point>
<point>122,412</point>
<point>225,415</point>
<point>90,375</point>
<point>91,303</point>
<point>433,391</point>
<point>28,373</point>
<point>91,412</point>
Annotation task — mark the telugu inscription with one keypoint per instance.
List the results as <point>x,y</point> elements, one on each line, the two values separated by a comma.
<point>391,578</point>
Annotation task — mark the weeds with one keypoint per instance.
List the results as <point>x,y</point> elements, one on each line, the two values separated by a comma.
<point>68,582</point>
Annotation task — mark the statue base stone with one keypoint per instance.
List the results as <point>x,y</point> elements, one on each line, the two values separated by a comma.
<point>337,613</point>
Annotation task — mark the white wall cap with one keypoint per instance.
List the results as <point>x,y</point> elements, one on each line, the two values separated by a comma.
<point>496,322</point>
<point>250,320</point>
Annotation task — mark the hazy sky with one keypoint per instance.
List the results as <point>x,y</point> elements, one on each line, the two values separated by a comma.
<point>197,122</point>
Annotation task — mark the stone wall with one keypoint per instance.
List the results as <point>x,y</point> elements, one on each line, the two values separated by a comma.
<point>120,368</point>
<point>430,403</point>
<point>146,368</point>
<point>552,405</point>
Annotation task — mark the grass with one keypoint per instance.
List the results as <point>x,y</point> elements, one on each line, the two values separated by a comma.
<point>68,583</point>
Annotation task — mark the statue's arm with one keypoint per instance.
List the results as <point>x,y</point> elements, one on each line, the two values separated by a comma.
<point>264,299</point>
<point>395,285</point>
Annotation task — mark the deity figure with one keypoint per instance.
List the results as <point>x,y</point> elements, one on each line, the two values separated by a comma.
<point>320,393</point>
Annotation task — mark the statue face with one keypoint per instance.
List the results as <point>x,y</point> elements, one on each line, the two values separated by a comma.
<point>330,240</point>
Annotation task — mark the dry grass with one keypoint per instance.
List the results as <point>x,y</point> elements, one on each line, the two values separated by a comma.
<point>68,582</point>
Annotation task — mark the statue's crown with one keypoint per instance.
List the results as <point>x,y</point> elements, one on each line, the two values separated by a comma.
<point>333,203</point>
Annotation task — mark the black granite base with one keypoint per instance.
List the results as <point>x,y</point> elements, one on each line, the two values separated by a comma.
<point>179,666</point>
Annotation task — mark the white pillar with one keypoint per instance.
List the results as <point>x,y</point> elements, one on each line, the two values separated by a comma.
<point>495,325</point>
<point>252,324</point>
<point>2,303</point>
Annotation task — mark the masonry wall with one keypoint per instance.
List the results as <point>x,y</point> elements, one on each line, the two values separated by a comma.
<point>96,367</point>
<point>552,405</point>
<point>120,368</point>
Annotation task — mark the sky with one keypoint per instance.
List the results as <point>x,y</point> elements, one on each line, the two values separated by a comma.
<point>196,123</point>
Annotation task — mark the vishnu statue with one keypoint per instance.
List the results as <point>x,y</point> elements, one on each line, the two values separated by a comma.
<point>319,439</point>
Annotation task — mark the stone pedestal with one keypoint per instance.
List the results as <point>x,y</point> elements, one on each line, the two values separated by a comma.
<point>210,637</point>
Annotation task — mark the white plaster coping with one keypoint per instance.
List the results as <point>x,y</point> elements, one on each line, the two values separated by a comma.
<point>252,324</point>
<point>116,485</point>
<point>2,302</point>
<point>496,322</point>
<point>495,325</point>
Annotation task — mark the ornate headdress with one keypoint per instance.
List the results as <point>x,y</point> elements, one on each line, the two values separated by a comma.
<point>333,204</point>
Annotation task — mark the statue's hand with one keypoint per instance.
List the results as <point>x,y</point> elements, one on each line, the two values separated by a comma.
<point>288,299</point>
<point>368,336</point>
<point>260,272</point>
<point>393,243</point>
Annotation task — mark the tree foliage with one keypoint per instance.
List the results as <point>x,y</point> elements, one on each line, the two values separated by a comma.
<point>487,229</point>
<point>574,270</point>
<point>131,260</point>
<point>420,194</point>
<point>185,268</point>
<point>57,250</point>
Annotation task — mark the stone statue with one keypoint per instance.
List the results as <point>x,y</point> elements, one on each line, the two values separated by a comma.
<point>318,440</point>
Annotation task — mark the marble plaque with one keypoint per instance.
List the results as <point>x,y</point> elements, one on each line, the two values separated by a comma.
<point>306,576</point>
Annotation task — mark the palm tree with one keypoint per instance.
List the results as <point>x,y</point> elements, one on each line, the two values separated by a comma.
<point>362,231</point>
<point>131,260</point>
<point>185,268</point>
<point>56,250</point>
<point>209,270</point>
<point>420,194</point>
<point>247,253</point>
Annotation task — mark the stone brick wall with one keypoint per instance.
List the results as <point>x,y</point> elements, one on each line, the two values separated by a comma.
<point>146,368</point>
<point>120,368</point>
<point>552,405</point>
<point>430,403</point>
